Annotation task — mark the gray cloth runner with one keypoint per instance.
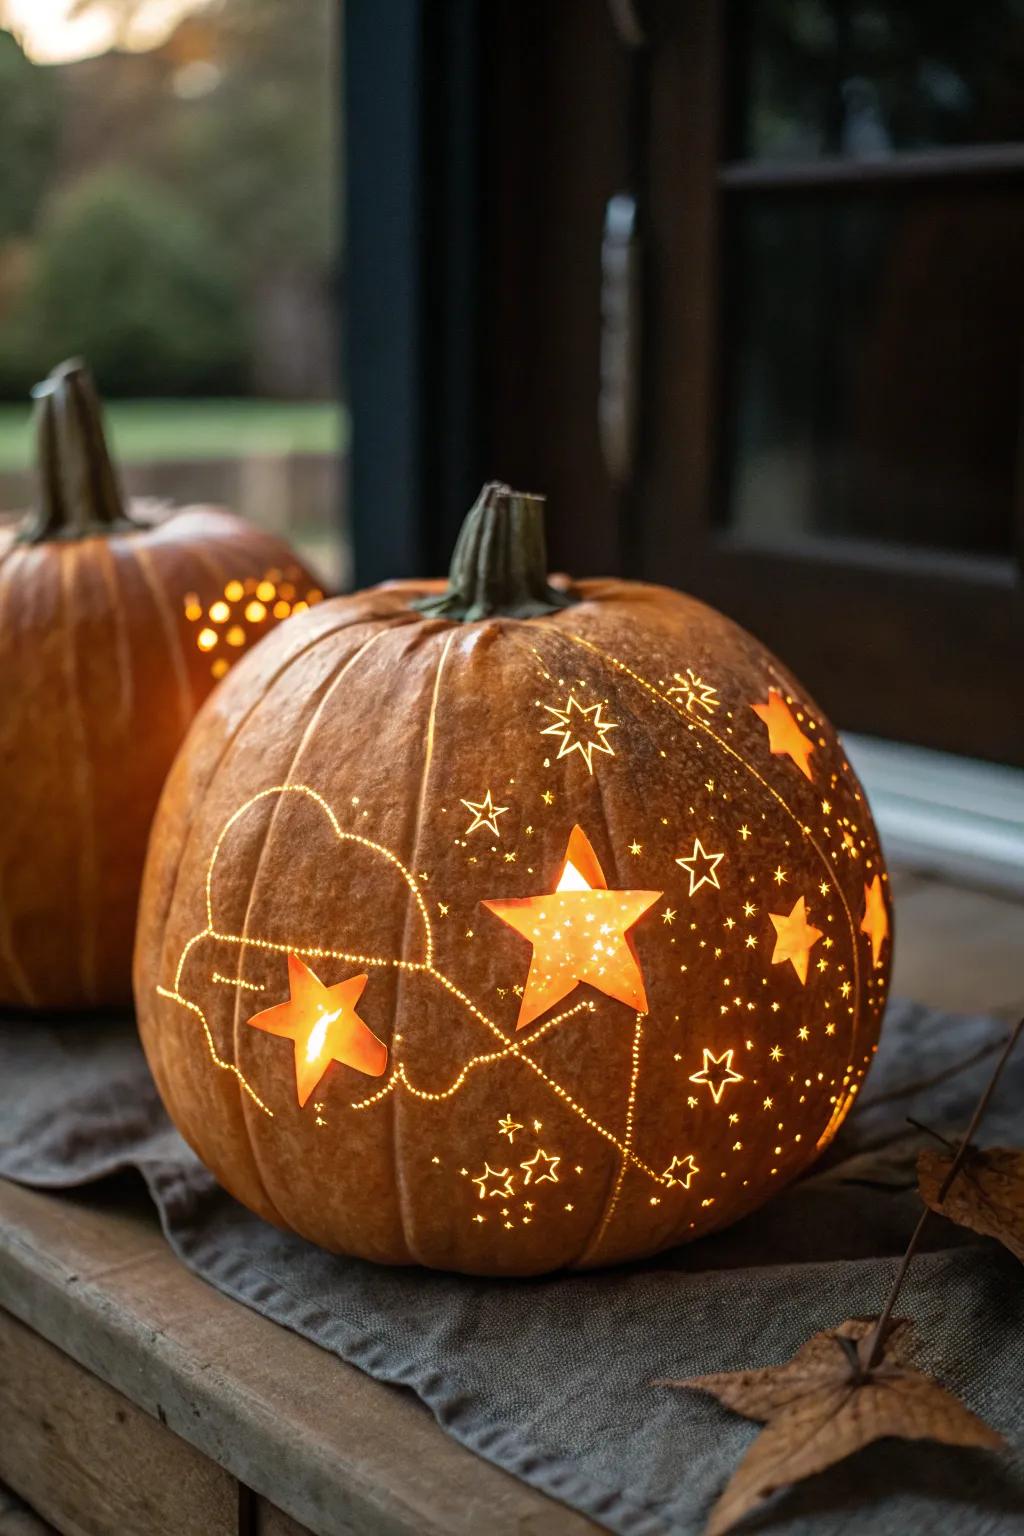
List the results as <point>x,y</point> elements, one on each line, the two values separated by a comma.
<point>550,1378</point>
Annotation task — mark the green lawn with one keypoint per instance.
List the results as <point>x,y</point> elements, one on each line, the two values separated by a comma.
<point>144,430</point>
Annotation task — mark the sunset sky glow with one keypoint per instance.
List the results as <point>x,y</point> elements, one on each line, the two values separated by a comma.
<point>50,35</point>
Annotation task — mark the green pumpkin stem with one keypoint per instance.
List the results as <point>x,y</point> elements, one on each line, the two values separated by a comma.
<point>77,492</point>
<point>499,568</point>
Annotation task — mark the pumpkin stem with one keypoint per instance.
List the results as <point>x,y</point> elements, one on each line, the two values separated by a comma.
<point>77,493</point>
<point>499,568</point>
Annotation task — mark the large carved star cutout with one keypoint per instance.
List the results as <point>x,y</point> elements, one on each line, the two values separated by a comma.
<point>323,1023</point>
<point>875,922</point>
<point>785,738</point>
<point>794,938</point>
<point>579,934</point>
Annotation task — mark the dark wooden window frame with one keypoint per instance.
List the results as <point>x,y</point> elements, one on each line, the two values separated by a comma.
<point>482,145</point>
<point>917,645</point>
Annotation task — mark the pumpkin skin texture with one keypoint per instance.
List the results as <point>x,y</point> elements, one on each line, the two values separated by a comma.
<point>376,791</point>
<point>100,677</point>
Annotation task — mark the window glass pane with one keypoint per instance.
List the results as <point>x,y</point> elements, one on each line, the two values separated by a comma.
<point>873,366</point>
<point>169,212</point>
<point>867,80</point>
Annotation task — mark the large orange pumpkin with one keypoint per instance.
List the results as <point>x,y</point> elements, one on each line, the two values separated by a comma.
<point>500,928</point>
<point>114,626</point>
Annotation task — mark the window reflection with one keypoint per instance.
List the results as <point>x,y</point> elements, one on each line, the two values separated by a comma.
<point>874,369</point>
<point>866,80</point>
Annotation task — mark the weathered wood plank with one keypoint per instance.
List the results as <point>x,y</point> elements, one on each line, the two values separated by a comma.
<point>89,1460</point>
<point>338,1452</point>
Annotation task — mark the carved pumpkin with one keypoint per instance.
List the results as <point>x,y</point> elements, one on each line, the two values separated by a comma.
<point>113,629</point>
<point>500,928</point>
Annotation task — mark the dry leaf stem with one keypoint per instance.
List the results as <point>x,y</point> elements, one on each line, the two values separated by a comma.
<point>874,1353</point>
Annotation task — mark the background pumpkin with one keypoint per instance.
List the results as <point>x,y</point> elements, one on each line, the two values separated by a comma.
<point>107,649</point>
<point>382,850</point>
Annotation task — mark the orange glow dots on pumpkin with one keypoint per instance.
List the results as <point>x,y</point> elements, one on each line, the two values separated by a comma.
<point>794,938</point>
<point>578,934</point>
<point>324,1027</point>
<point>300,607</point>
<point>313,596</point>
<point>193,607</point>
<point>281,609</point>
<point>234,591</point>
<point>875,922</point>
<point>255,611</point>
<point>220,611</point>
<point>266,591</point>
<point>206,639</point>
<point>219,667</point>
<point>784,734</point>
<point>235,635</point>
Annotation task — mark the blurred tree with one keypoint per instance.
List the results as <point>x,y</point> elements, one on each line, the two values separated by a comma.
<point>257,149</point>
<point>130,278</point>
<point>31,124</point>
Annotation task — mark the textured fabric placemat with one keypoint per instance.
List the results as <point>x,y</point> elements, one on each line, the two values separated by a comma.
<point>550,1378</point>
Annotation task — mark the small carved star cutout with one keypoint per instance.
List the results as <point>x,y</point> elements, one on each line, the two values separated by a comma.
<point>785,738</point>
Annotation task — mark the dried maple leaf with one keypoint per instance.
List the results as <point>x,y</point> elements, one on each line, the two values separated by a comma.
<point>823,1405</point>
<point>987,1195</point>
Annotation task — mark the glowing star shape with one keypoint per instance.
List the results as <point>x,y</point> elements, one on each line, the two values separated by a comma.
<point>785,738</point>
<point>875,922</point>
<point>540,1168</point>
<point>508,1127</point>
<point>701,867</point>
<point>579,934</point>
<point>717,1072</point>
<point>581,728</point>
<point>495,1181</point>
<point>485,814</point>
<point>323,1023</point>
<point>689,1167</point>
<point>794,938</point>
<point>695,691</point>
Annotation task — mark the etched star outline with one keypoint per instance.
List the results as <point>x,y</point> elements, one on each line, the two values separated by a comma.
<point>684,1166</point>
<point>717,1072</point>
<point>540,1168</point>
<point>485,814</point>
<point>701,866</point>
<point>581,728</point>
<point>495,1181</point>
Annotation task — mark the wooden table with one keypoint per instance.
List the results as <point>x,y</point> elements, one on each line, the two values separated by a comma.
<point>135,1400</point>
